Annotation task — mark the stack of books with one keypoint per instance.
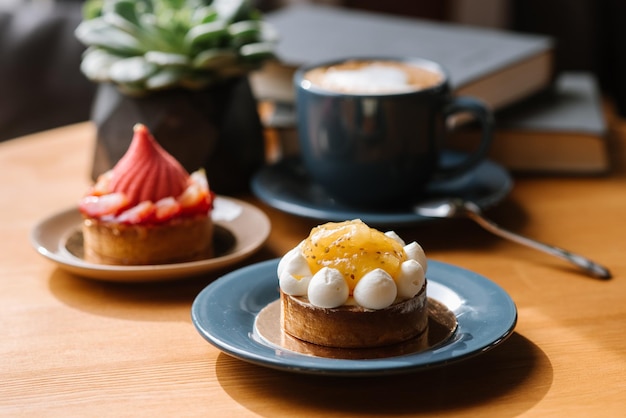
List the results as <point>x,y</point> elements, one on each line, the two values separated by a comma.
<point>545,122</point>
<point>560,130</point>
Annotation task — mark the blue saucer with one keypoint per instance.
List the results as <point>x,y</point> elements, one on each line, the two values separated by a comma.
<point>287,187</point>
<point>224,314</point>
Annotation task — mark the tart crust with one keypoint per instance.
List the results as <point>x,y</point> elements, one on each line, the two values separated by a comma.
<point>179,240</point>
<point>351,326</point>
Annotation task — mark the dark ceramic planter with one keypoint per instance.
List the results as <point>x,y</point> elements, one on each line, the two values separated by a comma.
<point>217,128</point>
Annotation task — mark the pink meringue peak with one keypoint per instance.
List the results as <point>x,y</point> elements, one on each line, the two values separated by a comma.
<point>147,171</point>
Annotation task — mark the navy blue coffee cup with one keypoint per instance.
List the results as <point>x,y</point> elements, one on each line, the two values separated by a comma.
<point>381,148</point>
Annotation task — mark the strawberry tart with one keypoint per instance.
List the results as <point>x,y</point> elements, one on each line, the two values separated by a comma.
<point>351,286</point>
<point>147,210</point>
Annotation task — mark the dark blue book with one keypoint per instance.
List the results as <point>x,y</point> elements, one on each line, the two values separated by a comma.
<point>498,66</point>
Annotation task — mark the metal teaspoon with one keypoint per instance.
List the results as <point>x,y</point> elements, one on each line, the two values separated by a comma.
<point>457,208</point>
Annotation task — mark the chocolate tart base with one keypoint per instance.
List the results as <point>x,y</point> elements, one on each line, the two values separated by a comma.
<point>176,241</point>
<point>353,326</point>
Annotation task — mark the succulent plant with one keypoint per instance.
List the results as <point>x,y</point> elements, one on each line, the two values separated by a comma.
<point>147,45</point>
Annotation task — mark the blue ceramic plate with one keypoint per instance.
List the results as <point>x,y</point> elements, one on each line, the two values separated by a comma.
<point>287,187</point>
<point>225,311</point>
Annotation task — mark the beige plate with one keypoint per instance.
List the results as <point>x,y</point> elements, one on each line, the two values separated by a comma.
<point>241,229</point>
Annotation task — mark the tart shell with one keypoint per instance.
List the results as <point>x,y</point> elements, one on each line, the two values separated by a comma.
<point>179,240</point>
<point>351,326</point>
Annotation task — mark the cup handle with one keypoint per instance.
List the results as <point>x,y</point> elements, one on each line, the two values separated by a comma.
<point>484,116</point>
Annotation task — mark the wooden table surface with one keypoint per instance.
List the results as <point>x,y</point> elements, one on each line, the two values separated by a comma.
<point>72,346</point>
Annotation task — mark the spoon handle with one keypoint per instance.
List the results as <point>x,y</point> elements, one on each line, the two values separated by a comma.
<point>584,263</point>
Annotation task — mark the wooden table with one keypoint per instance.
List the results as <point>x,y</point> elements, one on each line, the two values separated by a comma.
<point>77,347</point>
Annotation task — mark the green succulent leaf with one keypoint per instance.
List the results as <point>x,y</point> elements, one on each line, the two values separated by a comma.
<point>118,21</point>
<point>127,10</point>
<point>244,32</point>
<point>164,78</point>
<point>232,10</point>
<point>204,14</point>
<point>165,59</point>
<point>92,9</point>
<point>96,64</point>
<point>132,70</point>
<point>97,32</point>
<point>156,37</point>
<point>257,51</point>
<point>215,58</point>
<point>206,33</point>
<point>245,28</point>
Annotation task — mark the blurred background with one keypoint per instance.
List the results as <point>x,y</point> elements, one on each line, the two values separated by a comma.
<point>41,86</point>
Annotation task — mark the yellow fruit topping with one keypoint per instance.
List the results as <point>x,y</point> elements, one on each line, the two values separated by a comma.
<point>354,249</point>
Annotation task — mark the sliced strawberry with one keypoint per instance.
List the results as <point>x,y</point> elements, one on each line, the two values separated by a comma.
<point>98,206</point>
<point>166,209</point>
<point>195,200</point>
<point>101,187</point>
<point>199,177</point>
<point>139,214</point>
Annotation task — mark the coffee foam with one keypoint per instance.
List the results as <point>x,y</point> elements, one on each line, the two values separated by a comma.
<point>373,77</point>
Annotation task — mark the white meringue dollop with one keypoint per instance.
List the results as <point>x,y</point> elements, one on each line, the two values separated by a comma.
<point>375,290</point>
<point>294,273</point>
<point>294,286</point>
<point>328,288</point>
<point>414,251</point>
<point>411,279</point>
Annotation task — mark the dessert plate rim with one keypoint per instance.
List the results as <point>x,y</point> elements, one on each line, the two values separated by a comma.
<point>224,313</point>
<point>285,186</point>
<point>249,226</point>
